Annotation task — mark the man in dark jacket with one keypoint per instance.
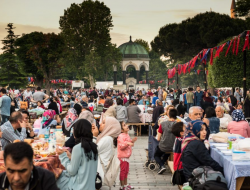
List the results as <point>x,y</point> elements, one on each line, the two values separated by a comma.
<point>20,171</point>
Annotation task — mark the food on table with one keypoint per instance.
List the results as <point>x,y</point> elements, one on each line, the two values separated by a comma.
<point>15,141</point>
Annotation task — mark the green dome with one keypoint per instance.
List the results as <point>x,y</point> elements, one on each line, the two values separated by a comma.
<point>133,50</point>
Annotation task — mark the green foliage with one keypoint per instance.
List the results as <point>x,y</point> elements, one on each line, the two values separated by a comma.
<point>10,74</point>
<point>243,8</point>
<point>228,71</point>
<point>181,42</point>
<point>85,28</point>
<point>143,43</point>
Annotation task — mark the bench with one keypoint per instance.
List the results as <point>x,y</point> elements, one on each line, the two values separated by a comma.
<point>138,130</point>
<point>171,167</point>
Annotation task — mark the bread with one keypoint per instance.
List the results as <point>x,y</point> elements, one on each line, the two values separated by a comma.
<point>29,141</point>
<point>15,141</point>
<point>41,136</point>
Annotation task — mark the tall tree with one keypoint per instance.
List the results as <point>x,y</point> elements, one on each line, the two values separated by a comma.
<point>85,28</point>
<point>11,75</point>
<point>43,52</point>
<point>243,8</point>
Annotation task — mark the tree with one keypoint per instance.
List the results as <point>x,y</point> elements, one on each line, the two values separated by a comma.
<point>11,74</point>
<point>228,71</point>
<point>181,42</point>
<point>85,28</point>
<point>143,43</point>
<point>242,8</point>
<point>43,52</point>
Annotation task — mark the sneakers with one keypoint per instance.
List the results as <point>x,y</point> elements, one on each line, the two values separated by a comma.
<point>162,170</point>
<point>130,187</point>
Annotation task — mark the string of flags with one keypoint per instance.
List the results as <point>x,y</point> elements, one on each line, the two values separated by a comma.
<point>202,56</point>
<point>55,81</point>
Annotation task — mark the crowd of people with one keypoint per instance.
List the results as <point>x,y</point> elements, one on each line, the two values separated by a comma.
<point>183,121</point>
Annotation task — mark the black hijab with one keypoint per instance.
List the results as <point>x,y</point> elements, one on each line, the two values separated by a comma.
<point>83,134</point>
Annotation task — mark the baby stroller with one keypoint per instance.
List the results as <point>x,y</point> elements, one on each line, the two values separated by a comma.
<point>152,144</point>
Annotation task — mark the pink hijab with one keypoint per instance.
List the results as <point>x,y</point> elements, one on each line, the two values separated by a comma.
<point>112,128</point>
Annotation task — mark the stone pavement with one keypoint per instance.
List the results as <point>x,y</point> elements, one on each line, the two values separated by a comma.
<point>141,177</point>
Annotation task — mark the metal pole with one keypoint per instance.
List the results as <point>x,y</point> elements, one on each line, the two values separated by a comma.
<point>244,74</point>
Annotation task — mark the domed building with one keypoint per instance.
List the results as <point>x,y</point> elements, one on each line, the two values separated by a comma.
<point>135,55</point>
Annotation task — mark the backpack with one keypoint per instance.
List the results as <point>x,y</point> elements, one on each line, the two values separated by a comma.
<point>205,178</point>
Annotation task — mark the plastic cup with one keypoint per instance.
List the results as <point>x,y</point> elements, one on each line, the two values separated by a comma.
<point>44,154</point>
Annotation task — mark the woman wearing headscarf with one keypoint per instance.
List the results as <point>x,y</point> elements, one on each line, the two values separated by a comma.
<point>207,101</point>
<point>47,121</point>
<point>81,165</point>
<point>85,114</point>
<point>78,109</point>
<point>195,150</point>
<point>239,125</point>
<point>247,106</point>
<point>110,129</point>
<point>68,121</point>
<point>53,105</point>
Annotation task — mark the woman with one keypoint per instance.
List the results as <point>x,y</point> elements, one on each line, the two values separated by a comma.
<point>110,108</point>
<point>194,151</point>
<point>47,121</point>
<point>40,105</point>
<point>211,120</point>
<point>239,125</point>
<point>81,165</point>
<point>110,129</point>
<point>207,101</point>
<point>101,101</point>
<point>57,100</point>
<point>78,109</point>
<point>53,105</point>
<point>68,121</point>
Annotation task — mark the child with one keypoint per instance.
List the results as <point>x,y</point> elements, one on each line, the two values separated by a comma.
<point>178,131</point>
<point>166,140</point>
<point>124,144</point>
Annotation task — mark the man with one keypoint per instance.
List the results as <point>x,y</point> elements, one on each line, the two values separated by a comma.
<point>5,104</point>
<point>94,93</point>
<point>198,96</point>
<point>143,99</point>
<point>190,99</point>
<point>9,129</point>
<point>160,93</point>
<point>237,95</point>
<point>195,113</point>
<point>224,118</point>
<point>154,99</point>
<point>39,96</point>
<point>21,174</point>
<point>133,112</point>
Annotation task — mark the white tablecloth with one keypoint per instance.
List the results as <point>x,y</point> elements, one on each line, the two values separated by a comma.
<point>146,117</point>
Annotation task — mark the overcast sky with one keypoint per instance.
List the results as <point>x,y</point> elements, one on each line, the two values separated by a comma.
<point>138,18</point>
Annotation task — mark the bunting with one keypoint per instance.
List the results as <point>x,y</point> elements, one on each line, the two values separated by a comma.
<point>246,41</point>
<point>228,48</point>
<point>238,45</point>
<point>211,56</point>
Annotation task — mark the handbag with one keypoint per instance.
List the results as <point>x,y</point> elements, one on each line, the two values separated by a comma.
<point>178,177</point>
<point>98,181</point>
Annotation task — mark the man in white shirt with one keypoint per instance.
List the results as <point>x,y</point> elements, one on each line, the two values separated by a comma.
<point>27,94</point>
<point>224,118</point>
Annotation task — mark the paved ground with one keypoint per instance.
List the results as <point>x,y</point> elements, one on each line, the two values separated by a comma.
<point>141,177</point>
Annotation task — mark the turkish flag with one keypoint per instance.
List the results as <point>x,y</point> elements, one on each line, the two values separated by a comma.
<point>246,41</point>
<point>228,47</point>
<point>211,56</point>
<point>238,45</point>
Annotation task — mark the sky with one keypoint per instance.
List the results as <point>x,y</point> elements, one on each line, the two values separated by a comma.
<point>138,18</point>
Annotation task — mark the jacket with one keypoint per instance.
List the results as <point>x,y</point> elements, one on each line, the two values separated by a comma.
<point>196,154</point>
<point>5,103</point>
<point>42,180</point>
<point>111,112</point>
<point>241,127</point>
<point>177,153</point>
<point>121,113</point>
<point>198,97</point>
<point>123,149</point>
<point>133,114</point>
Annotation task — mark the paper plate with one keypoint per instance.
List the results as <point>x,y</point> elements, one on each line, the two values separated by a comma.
<point>227,152</point>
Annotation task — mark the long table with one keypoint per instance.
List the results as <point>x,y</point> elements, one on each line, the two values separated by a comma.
<point>236,172</point>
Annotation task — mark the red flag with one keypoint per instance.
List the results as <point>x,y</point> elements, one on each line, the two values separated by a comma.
<point>207,72</point>
<point>198,71</point>
<point>228,47</point>
<point>204,53</point>
<point>179,69</point>
<point>238,45</point>
<point>246,41</point>
<point>211,56</point>
<point>234,45</point>
<point>189,69</point>
<point>217,54</point>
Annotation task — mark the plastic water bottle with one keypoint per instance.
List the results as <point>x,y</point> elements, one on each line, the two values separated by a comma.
<point>146,108</point>
<point>71,131</point>
<point>46,135</point>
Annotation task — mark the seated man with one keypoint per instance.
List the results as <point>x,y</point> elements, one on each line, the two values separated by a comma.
<point>84,101</point>
<point>9,129</point>
<point>20,171</point>
<point>195,113</point>
<point>224,118</point>
<point>133,112</point>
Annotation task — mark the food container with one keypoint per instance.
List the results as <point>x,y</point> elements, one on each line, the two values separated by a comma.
<point>240,155</point>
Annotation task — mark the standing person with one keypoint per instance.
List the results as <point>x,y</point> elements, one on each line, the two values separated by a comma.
<point>5,104</point>
<point>164,96</point>
<point>185,99</point>
<point>39,96</point>
<point>160,93</point>
<point>247,106</point>
<point>81,165</point>
<point>27,95</point>
<point>155,97</point>
<point>198,96</point>
<point>124,151</point>
<point>237,95</point>
<point>207,101</point>
<point>190,99</point>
